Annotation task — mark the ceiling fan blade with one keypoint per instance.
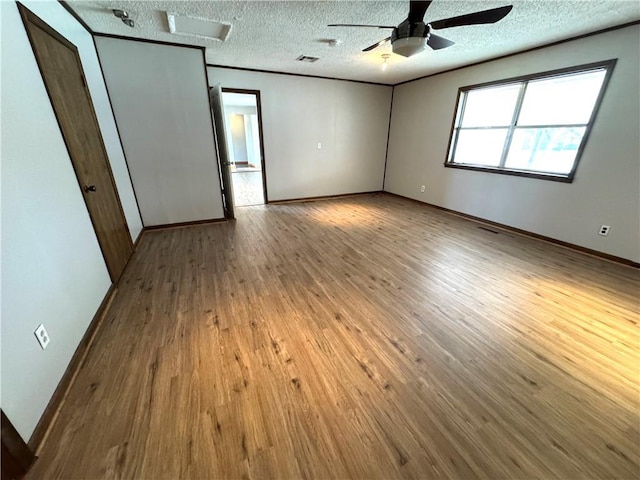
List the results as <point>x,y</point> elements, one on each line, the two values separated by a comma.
<point>376,45</point>
<point>477,18</point>
<point>417,10</point>
<point>436,42</point>
<point>356,25</point>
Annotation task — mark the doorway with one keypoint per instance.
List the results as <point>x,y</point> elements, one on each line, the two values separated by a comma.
<point>243,119</point>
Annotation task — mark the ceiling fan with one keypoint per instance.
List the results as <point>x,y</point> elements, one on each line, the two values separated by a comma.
<point>413,34</point>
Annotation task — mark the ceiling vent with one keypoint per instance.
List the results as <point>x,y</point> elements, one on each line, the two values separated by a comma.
<point>305,58</point>
<point>198,27</point>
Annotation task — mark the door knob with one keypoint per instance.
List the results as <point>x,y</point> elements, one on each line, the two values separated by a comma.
<point>89,188</point>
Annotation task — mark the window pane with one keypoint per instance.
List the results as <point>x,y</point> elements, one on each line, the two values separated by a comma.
<point>551,150</point>
<point>480,147</point>
<point>562,100</point>
<point>490,107</point>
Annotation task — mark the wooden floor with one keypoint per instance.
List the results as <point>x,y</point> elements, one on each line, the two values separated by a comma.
<point>366,337</point>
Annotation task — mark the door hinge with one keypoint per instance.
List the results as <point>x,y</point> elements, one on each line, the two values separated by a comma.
<point>84,82</point>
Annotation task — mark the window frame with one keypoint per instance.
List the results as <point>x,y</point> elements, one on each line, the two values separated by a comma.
<point>524,80</point>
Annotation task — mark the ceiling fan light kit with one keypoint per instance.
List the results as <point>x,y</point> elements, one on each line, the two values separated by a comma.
<point>413,35</point>
<point>409,38</point>
<point>409,46</point>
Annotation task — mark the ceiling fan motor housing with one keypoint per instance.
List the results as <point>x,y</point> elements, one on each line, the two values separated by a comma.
<point>410,38</point>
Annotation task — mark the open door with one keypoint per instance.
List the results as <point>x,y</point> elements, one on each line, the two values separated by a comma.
<point>217,108</point>
<point>65,82</point>
<point>16,456</point>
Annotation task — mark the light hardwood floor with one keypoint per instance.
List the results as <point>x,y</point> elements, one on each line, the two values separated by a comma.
<point>365,337</point>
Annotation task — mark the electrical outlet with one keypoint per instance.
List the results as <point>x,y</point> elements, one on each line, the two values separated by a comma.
<point>422,188</point>
<point>604,230</point>
<point>319,145</point>
<point>42,336</point>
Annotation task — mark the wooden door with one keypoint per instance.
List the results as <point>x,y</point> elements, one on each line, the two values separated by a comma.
<point>65,82</point>
<point>217,109</point>
<point>16,456</point>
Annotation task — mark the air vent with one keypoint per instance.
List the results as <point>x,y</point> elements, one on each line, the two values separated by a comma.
<point>305,58</point>
<point>198,27</point>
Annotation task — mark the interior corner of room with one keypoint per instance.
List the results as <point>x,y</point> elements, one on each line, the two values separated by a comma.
<point>288,137</point>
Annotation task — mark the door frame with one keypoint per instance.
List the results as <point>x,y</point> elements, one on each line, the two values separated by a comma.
<point>29,17</point>
<point>256,93</point>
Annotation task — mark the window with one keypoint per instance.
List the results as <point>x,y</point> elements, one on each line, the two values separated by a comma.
<point>530,126</point>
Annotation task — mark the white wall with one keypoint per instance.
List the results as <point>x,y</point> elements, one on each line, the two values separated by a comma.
<point>160,99</point>
<point>606,188</point>
<point>238,137</point>
<point>253,140</point>
<point>52,269</point>
<point>349,119</point>
<point>237,109</point>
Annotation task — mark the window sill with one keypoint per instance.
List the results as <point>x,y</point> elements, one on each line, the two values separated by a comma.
<point>517,173</point>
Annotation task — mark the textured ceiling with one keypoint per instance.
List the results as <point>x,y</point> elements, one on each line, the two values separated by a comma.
<point>270,35</point>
